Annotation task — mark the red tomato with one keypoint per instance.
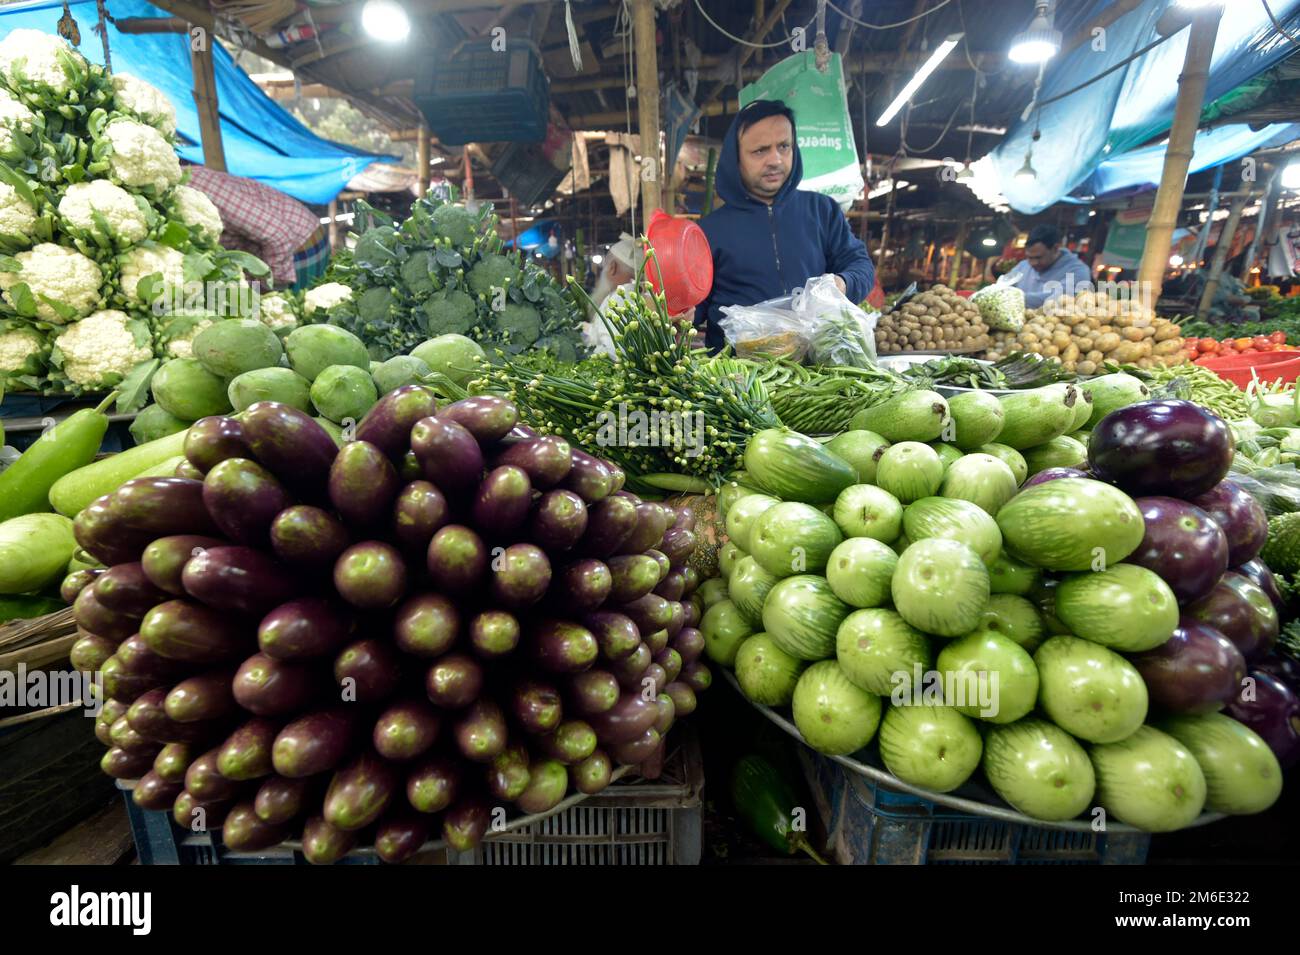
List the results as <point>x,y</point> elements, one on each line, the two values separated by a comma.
<point>1207,345</point>
<point>1241,344</point>
<point>1278,338</point>
<point>1249,351</point>
<point>1260,341</point>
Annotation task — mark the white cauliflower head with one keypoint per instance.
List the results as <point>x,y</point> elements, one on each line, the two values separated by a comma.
<point>325,297</point>
<point>13,115</point>
<point>194,208</point>
<point>134,264</point>
<point>126,220</point>
<point>34,57</point>
<point>141,158</point>
<point>145,101</point>
<point>99,350</point>
<point>55,273</point>
<point>176,333</point>
<point>17,217</point>
<point>276,311</point>
<point>20,351</point>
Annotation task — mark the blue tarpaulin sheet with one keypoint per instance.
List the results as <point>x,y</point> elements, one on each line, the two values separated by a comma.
<point>261,139</point>
<point>1132,105</point>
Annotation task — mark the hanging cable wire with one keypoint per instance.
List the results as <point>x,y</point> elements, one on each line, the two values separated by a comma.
<point>886,26</point>
<point>1276,25</point>
<point>965,45</point>
<point>743,42</point>
<point>902,138</point>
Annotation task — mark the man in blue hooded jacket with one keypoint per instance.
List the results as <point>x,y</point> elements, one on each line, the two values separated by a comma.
<point>771,237</point>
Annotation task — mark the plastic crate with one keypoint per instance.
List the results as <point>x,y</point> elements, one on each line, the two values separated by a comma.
<point>485,95</point>
<point>527,173</point>
<point>868,824</point>
<point>636,821</point>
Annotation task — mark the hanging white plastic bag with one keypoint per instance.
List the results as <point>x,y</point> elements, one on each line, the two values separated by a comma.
<point>769,329</point>
<point>1002,305</point>
<point>840,332</point>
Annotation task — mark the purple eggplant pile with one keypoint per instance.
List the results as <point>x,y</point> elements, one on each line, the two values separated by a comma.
<point>1203,536</point>
<point>383,642</point>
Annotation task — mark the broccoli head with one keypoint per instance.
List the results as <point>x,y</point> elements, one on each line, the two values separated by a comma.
<point>449,311</point>
<point>492,271</point>
<point>455,223</point>
<point>418,272</point>
<point>518,324</point>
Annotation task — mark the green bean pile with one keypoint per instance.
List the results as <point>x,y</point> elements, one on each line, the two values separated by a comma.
<point>1199,384</point>
<point>823,400</point>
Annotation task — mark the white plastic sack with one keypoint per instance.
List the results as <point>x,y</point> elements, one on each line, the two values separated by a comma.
<point>841,333</point>
<point>1001,305</point>
<point>769,329</point>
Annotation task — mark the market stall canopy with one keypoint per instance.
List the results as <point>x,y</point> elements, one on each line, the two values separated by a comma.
<point>1127,108</point>
<point>262,141</point>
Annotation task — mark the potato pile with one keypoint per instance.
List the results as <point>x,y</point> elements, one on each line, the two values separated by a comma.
<point>1090,328</point>
<point>937,320</point>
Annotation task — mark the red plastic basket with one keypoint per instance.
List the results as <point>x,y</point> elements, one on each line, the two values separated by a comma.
<point>1268,367</point>
<point>685,273</point>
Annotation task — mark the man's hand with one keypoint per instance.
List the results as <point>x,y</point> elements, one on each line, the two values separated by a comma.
<point>839,284</point>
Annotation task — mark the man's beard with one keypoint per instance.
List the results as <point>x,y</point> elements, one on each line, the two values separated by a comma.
<point>602,289</point>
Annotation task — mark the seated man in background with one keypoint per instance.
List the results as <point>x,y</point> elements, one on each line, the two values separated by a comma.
<point>618,272</point>
<point>1049,270</point>
<point>265,222</point>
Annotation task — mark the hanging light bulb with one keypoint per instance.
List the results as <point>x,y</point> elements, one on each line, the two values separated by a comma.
<point>1027,173</point>
<point>1040,42</point>
<point>385,20</point>
<point>966,173</point>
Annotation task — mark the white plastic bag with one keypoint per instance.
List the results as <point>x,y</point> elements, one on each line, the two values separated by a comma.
<point>1002,305</point>
<point>840,333</point>
<point>769,329</point>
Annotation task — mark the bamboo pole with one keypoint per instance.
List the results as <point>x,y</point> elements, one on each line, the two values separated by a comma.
<point>1202,240</point>
<point>205,100</point>
<point>1178,154</point>
<point>422,159</point>
<point>958,251</point>
<point>1220,255</point>
<point>1267,207</point>
<point>647,106</point>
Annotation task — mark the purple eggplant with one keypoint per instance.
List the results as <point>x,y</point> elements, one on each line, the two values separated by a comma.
<point>161,505</point>
<point>1283,666</point>
<point>432,785</point>
<point>671,662</point>
<point>582,586</point>
<point>367,671</point>
<point>1183,546</point>
<point>268,687</point>
<point>694,608</point>
<point>502,502</point>
<point>426,625</point>
<point>94,617</point>
<point>448,454</point>
<point>238,578</point>
<point>184,469</point>
<point>1166,446</point>
<point>163,561</point>
<point>572,742</point>
<point>697,676</point>
<point>592,774</point>
<point>419,511</point>
<point>126,737</point>
<point>359,792</point>
<point>637,751</point>
<point>1241,612</point>
<point>635,575</point>
<point>315,743</point>
<point>290,444</point>
<point>121,764</point>
<point>683,697</point>
<point>616,633</point>
<point>465,823</point>
<point>520,575</point>
<point>211,440</point>
<point>1053,474</point>
<point>625,721</point>
<point>651,522</point>
<point>362,484</point>
<point>454,682</point>
<point>307,536</point>
<point>678,544</point>
<point>537,706</point>
<point>609,523</point>
<point>487,417</point>
<point>154,793</point>
<point>481,732</point>
<point>246,753</point>
<point>593,691</point>
<point>548,781</point>
<point>457,559</point>
<point>508,774</point>
<point>101,535</point>
<point>127,589</point>
<point>547,460</point>
<point>388,423</point>
<point>90,651</point>
<point>655,677</point>
<point>204,781</point>
<point>649,613</point>
<point>193,633</point>
<point>1257,572</point>
<point>689,644</point>
<point>172,761</point>
<point>691,576</point>
<point>588,477</point>
<point>1272,709</point>
<point>370,575</point>
<point>406,730</point>
<point>558,521</point>
<point>208,696</point>
<point>139,659</point>
<point>630,669</point>
<point>400,835</point>
<point>667,714</point>
<point>560,646</point>
<point>323,844</point>
<point>79,580</point>
<point>244,498</point>
<point>280,800</point>
<point>123,686</point>
<point>1242,518</point>
<point>672,587</point>
<point>305,628</point>
<point>196,815</point>
<point>493,634</point>
<point>1197,670</point>
<point>148,717</point>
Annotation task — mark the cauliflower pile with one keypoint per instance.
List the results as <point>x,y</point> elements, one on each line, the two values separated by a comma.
<point>22,352</point>
<point>98,351</point>
<point>13,115</point>
<point>17,216</point>
<point>140,158</point>
<point>276,311</point>
<point>175,333</point>
<point>53,273</point>
<point>144,260</point>
<point>40,61</point>
<point>145,102</point>
<point>198,211</point>
<point>325,297</point>
<point>127,222</point>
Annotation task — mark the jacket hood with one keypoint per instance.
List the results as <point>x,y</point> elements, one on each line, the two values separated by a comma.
<point>728,184</point>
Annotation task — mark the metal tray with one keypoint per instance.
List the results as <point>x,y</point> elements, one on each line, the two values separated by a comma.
<point>974,797</point>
